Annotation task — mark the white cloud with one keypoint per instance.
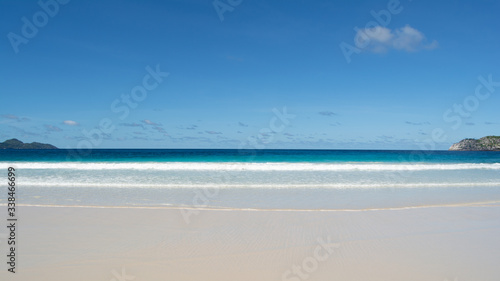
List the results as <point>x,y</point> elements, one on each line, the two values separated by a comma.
<point>379,34</point>
<point>70,123</point>
<point>381,39</point>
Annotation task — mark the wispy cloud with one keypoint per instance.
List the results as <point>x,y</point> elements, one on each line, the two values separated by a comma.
<point>10,116</point>
<point>380,39</point>
<point>190,127</point>
<point>241,124</point>
<point>213,132</point>
<point>386,138</point>
<point>191,138</point>
<point>470,123</point>
<point>417,123</point>
<point>14,117</point>
<point>327,113</point>
<point>133,124</point>
<point>70,123</point>
<point>234,58</point>
<point>491,123</point>
<point>149,122</point>
<point>160,130</point>
<point>51,128</point>
<point>25,133</point>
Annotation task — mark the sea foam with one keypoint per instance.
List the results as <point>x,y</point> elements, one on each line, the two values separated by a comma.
<point>242,166</point>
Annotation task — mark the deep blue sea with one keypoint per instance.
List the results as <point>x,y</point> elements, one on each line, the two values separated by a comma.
<point>261,179</point>
<point>235,155</point>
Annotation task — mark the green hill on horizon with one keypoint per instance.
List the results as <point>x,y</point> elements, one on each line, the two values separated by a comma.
<point>17,144</point>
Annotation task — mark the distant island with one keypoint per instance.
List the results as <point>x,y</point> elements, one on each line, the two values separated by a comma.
<point>17,144</point>
<point>490,143</point>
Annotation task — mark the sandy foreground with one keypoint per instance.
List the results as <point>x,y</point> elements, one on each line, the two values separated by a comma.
<point>120,244</point>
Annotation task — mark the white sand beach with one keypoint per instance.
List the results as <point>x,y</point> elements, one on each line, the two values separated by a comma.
<point>88,243</point>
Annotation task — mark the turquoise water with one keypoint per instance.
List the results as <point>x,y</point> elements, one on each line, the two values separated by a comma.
<point>234,155</point>
<point>266,179</point>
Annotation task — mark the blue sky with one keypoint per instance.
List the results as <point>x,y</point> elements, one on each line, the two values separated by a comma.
<point>234,66</point>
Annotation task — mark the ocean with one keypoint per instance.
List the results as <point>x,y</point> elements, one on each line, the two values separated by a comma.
<point>253,179</point>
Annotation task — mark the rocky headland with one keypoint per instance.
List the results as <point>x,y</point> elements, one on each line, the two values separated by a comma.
<point>490,143</point>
